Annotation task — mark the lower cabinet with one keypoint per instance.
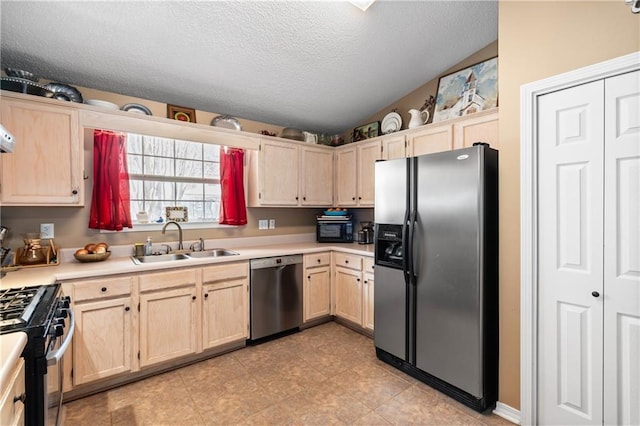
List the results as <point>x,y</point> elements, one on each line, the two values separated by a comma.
<point>317,286</point>
<point>168,316</point>
<point>103,336</point>
<point>12,395</point>
<point>225,313</point>
<point>348,286</point>
<point>367,294</point>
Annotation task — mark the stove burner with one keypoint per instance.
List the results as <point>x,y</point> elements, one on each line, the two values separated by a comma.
<point>18,304</point>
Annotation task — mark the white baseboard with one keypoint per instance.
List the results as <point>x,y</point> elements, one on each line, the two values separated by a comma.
<point>507,412</point>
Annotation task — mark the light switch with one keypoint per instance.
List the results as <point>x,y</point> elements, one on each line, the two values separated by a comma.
<point>272,224</point>
<point>263,224</point>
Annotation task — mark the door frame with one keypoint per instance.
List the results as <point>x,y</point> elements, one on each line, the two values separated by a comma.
<point>529,94</point>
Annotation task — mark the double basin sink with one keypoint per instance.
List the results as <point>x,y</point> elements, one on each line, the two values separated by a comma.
<point>218,252</point>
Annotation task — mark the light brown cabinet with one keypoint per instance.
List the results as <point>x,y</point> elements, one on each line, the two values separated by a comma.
<point>46,166</point>
<point>367,293</point>
<point>11,403</point>
<point>225,313</point>
<point>290,174</point>
<point>355,173</point>
<point>394,146</point>
<point>317,286</point>
<point>477,128</point>
<point>348,287</point>
<point>168,316</point>
<point>102,343</point>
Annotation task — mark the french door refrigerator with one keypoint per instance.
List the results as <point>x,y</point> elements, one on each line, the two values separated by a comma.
<point>436,270</point>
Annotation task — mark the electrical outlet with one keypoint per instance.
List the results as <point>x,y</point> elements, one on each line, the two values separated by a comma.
<point>263,224</point>
<point>272,224</point>
<point>46,230</point>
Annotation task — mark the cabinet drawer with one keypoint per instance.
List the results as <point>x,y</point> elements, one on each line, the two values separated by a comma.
<point>14,388</point>
<point>368,264</point>
<point>225,271</point>
<point>95,289</point>
<point>167,279</point>
<point>317,259</point>
<point>349,261</point>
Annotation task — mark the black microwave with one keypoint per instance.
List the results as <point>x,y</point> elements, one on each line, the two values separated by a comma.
<point>334,231</point>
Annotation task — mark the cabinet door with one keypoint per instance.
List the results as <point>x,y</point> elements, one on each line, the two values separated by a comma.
<point>317,176</point>
<point>102,339</point>
<point>168,325</point>
<point>349,295</point>
<point>430,140</point>
<point>46,165</point>
<point>278,173</point>
<point>368,154</point>
<point>346,174</point>
<point>317,292</point>
<point>224,310</point>
<point>477,129</point>
<point>367,301</point>
<point>394,147</point>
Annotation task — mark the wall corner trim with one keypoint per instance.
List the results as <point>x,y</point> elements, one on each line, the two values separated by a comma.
<point>507,412</point>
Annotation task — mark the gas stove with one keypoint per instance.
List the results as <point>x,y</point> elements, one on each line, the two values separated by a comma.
<point>44,315</point>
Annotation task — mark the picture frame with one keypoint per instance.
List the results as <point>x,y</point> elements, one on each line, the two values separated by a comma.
<point>177,214</point>
<point>467,91</point>
<point>179,113</point>
<point>367,131</point>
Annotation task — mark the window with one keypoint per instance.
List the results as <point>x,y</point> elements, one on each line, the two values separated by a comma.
<point>173,173</point>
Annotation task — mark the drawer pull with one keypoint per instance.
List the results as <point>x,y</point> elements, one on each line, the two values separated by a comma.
<point>103,289</point>
<point>127,309</point>
<point>319,260</point>
<point>206,295</point>
<point>193,298</point>
<point>346,261</point>
<point>22,398</point>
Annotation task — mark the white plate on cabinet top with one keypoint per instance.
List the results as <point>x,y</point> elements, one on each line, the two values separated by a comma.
<point>103,104</point>
<point>138,108</point>
<point>391,122</point>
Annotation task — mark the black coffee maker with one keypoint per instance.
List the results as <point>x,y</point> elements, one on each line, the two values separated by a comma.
<point>365,236</point>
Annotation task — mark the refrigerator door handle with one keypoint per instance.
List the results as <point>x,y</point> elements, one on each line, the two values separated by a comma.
<point>409,249</point>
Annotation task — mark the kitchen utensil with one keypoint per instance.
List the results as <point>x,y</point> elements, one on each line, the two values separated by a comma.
<point>64,92</point>
<point>294,134</point>
<point>140,109</point>
<point>12,72</point>
<point>102,104</point>
<point>310,137</point>
<point>32,252</point>
<point>22,85</point>
<point>227,122</point>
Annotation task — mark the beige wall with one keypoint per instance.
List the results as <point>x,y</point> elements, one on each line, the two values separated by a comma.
<point>539,39</point>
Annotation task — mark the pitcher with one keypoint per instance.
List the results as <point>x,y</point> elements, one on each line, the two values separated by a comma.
<point>416,118</point>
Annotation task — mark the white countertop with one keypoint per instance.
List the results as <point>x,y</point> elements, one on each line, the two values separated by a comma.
<point>72,269</point>
<point>11,346</point>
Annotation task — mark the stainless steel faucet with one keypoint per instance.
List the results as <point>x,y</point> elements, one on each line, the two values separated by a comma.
<point>164,228</point>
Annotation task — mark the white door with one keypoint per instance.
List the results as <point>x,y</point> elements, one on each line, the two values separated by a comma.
<point>622,250</point>
<point>570,173</point>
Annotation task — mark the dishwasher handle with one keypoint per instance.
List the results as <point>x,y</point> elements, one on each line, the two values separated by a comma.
<point>279,261</point>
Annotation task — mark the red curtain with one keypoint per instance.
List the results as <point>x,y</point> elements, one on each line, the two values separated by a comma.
<point>233,210</point>
<point>110,203</point>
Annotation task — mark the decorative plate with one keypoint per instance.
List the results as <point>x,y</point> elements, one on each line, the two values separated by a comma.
<point>92,257</point>
<point>22,85</point>
<point>391,122</point>
<point>27,75</point>
<point>335,212</point>
<point>64,92</point>
<point>100,103</point>
<point>227,122</point>
<point>140,109</point>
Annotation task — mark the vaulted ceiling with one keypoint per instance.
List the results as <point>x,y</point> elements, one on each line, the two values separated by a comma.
<point>321,66</point>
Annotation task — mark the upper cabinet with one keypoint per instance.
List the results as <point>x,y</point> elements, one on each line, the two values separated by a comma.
<point>355,170</point>
<point>46,166</point>
<point>290,174</point>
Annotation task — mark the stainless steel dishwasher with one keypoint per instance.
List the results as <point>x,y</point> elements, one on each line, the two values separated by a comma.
<point>276,295</point>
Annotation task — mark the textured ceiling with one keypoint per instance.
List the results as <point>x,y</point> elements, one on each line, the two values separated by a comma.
<point>320,66</point>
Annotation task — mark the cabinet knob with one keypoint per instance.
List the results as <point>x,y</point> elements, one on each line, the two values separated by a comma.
<point>206,295</point>
<point>353,198</point>
<point>319,261</point>
<point>308,277</point>
<point>359,198</point>
<point>74,192</point>
<point>595,294</point>
<point>358,279</point>
<point>304,198</point>
<point>296,198</point>
<point>127,309</point>
<point>103,289</point>
<point>366,281</point>
<point>22,398</point>
<point>346,261</point>
<point>193,298</point>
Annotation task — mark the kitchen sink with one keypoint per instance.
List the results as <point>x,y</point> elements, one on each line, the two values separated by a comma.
<point>218,252</point>
<point>159,258</point>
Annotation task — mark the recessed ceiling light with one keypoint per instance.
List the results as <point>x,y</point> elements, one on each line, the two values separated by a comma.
<point>362,4</point>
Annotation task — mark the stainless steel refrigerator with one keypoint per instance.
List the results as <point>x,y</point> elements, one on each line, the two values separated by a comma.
<point>436,270</point>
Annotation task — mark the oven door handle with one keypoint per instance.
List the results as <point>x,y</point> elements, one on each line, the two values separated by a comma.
<point>55,356</point>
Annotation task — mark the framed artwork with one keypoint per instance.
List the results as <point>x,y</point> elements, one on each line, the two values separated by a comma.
<point>181,113</point>
<point>178,214</point>
<point>467,91</point>
<point>367,131</point>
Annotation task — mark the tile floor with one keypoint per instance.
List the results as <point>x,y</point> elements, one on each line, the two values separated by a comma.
<point>325,375</point>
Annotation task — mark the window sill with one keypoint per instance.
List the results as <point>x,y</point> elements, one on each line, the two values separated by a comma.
<point>146,227</point>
